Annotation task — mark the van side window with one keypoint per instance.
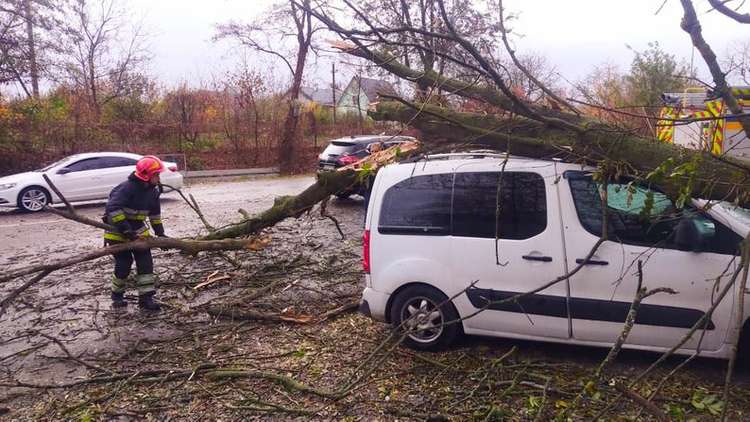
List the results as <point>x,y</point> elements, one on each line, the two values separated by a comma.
<point>522,205</point>
<point>631,221</point>
<point>418,205</point>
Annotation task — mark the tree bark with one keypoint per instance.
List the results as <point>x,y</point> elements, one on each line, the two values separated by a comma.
<point>327,184</point>
<point>713,179</point>
<point>31,42</point>
<point>290,135</point>
<point>692,26</point>
<point>284,207</point>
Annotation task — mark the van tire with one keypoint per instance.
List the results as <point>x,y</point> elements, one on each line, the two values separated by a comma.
<point>421,303</point>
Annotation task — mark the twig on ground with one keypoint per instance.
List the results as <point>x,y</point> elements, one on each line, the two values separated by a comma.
<point>14,294</point>
<point>324,213</point>
<point>73,358</point>
<point>650,407</point>
<point>641,294</point>
<point>540,413</point>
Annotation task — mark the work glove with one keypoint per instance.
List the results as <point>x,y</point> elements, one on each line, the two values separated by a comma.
<point>130,235</point>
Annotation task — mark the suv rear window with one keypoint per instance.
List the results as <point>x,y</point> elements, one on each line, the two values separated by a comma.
<point>518,199</point>
<point>339,148</point>
<point>418,205</point>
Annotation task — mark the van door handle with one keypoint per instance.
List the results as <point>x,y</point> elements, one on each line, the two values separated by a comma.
<point>537,258</point>
<point>591,262</point>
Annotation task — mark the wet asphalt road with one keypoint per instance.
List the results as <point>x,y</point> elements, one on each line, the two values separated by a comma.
<point>33,238</point>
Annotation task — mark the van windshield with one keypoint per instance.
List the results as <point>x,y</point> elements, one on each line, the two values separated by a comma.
<point>740,214</point>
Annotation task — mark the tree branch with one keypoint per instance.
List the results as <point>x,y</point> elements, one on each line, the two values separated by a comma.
<point>692,26</point>
<point>721,7</point>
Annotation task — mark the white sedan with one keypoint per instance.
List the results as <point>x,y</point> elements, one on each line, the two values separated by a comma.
<point>80,177</point>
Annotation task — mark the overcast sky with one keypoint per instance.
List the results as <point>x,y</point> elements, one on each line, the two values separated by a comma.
<point>575,35</point>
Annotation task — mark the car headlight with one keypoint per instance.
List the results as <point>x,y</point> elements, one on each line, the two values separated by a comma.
<point>7,186</point>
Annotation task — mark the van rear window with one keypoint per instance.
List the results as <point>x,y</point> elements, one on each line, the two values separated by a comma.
<point>418,205</point>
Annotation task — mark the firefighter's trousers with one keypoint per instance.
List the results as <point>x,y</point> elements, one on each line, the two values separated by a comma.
<point>144,264</point>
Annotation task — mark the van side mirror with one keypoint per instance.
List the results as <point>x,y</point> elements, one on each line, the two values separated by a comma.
<point>63,170</point>
<point>693,233</point>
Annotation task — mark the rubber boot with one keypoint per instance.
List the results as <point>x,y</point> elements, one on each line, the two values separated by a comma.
<point>118,300</point>
<point>146,302</point>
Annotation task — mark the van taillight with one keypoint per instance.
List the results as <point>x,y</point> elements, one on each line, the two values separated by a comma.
<point>173,168</point>
<point>366,251</point>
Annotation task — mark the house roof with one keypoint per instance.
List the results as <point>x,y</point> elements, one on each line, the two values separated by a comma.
<point>321,96</point>
<point>373,87</point>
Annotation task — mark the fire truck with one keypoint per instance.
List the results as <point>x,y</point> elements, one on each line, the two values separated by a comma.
<point>699,119</point>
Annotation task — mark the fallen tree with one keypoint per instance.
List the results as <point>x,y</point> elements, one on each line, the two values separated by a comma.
<point>326,184</point>
<point>533,130</point>
<point>624,153</point>
<point>223,239</point>
<point>520,128</point>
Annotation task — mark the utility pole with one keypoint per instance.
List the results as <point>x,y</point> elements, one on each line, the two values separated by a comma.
<point>333,90</point>
<point>359,102</point>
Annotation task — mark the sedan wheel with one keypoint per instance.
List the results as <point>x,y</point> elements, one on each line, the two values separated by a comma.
<point>33,199</point>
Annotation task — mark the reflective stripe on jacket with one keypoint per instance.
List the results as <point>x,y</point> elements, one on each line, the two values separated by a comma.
<point>129,204</point>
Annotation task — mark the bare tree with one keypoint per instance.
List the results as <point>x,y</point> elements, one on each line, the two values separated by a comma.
<point>267,36</point>
<point>184,107</point>
<point>241,115</point>
<point>737,63</point>
<point>28,29</point>
<point>414,30</point>
<point>541,70</point>
<point>101,62</point>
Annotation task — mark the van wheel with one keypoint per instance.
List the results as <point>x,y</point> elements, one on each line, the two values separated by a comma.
<point>426,316</point>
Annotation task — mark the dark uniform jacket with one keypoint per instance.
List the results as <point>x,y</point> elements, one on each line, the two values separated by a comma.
<point>129,204</point>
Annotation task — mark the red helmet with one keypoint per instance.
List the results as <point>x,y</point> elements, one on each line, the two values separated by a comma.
<point>147,167</point>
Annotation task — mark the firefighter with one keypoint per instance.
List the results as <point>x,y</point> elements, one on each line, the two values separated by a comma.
<point>129,204</point>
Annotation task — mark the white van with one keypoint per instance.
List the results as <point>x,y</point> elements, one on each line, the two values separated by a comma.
<point>510,225</point>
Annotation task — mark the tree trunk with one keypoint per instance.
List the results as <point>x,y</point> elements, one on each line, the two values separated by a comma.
<point>31,42</point>
<point>284,207</point>
<point>718,179</point>
<point>288,144</point>
<point>289,139</point>
<point>92,86</point>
